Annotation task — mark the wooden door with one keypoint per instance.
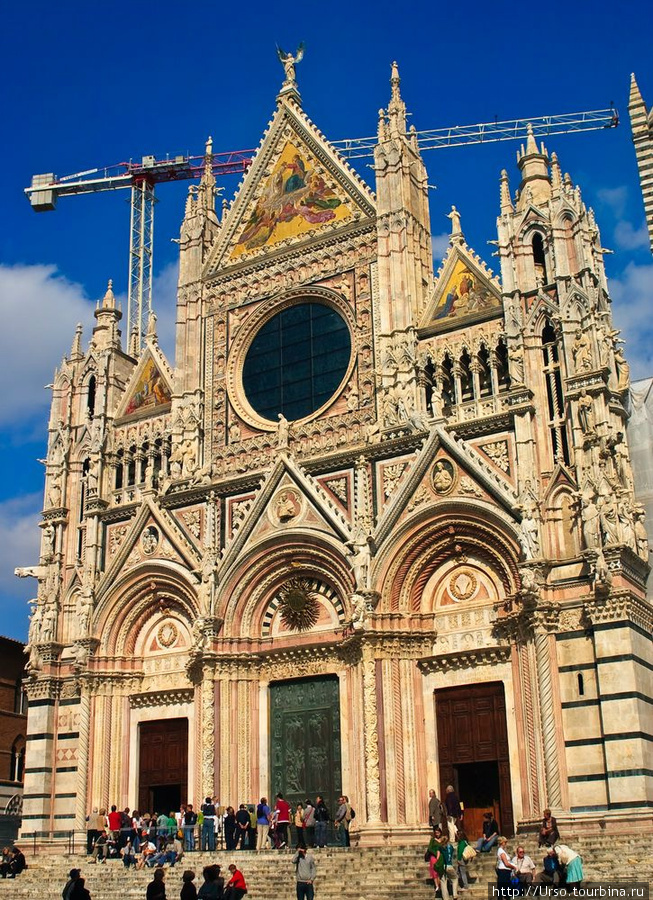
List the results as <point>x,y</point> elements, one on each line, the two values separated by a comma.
<point>473,751</point>
<point>305,740</point>
<point>163,763</point>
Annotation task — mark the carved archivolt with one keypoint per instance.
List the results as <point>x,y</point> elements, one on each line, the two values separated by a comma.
<point>444,536</point>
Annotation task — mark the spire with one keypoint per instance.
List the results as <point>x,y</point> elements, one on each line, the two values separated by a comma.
<point>457,236</point>
<point>635,99</point>
<point>531,143</point>
<point>109,300</point>
<point>76,349</point>
<point>206,189</point>
<point>556,173</point>
<point>381,130</point>
<point>504,193</point>
<point>533,163</point>
<point>396,107</point>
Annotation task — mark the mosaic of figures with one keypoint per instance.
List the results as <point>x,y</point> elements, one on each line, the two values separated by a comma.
<point>465,297</point>
<point>150,391</point>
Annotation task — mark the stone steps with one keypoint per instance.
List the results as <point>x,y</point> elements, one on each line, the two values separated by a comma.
<point>388,873</point>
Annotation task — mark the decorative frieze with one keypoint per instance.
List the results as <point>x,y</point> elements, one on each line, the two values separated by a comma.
<point>162,697</point>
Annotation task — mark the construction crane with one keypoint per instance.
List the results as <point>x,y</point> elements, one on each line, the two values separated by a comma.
<point>142,177</point>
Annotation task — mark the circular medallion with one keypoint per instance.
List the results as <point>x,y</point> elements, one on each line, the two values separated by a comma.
<point>443,476</point>
<point>150,540</point>
<point>286,505</point>
<point>463,584</point>
<point>167,634</point>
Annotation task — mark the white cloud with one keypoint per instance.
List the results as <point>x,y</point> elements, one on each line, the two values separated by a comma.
<point>632,293</point>
<point>628,238</point>
<point>440,244</point>
<point>164,303</point>
<point>19,546</point>
<point>40,310</point>
<point>614,198</point>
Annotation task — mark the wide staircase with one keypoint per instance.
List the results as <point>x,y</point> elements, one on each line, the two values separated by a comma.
<point>389,873</point>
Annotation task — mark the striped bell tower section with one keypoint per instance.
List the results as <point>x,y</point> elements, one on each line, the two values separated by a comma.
<point>641,122</point>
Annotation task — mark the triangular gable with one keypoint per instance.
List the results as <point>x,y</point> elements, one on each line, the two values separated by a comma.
<point>474,470</point>
<point>149,389</point>
<point>285,494</point>
<point>297,188</point>
<point>151,536</point>
<point>465,292</point>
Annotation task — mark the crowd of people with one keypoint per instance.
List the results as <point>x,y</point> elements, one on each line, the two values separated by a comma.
<point>449,853</point>
<point>144,839</point>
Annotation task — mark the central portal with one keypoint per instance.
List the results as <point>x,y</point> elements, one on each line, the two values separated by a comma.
<point>163,765</point>
<point>305,740</point>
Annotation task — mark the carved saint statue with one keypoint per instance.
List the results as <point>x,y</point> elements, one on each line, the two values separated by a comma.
<point>586,415</point>
<point>516,357</point>
<point>640,532</point>
<point>591,524</point>
<point>48,624</point>
<point>283,432</point>
<point>288,61</point>
<point>360,560</point>
<point>529,537</point>
<point>622,370</point>
<point>48,539</point>
<point>582,351</point>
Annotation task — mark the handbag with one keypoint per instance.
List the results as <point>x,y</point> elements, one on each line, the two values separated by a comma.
<point>469,853</point>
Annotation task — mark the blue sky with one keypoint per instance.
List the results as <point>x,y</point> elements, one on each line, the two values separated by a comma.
<point>92,84</point>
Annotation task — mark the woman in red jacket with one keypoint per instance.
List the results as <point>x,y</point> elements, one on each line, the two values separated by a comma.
<point>235,888</point>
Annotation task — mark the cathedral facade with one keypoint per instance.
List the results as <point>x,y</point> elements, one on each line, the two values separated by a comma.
<point>374,532</point>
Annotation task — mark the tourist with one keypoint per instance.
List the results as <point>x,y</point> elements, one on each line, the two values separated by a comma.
<point>235,888</point>
<point>188,889</point>
<point>450,872</point>
<point>283,819</point>
<point>208,825</point>
<point>137,827</point>
<point>162,830</point>
<point>213,886</point>
<point>572,863</point>
<point>156,889</point>
<point>454,812</point>
<point>299,826</point>
<point>230,828</point>
<point>148,850</point>
<point>91,830</point>
<point>549,834</point>
<point>435,858</point>
<point>262,824</point>
<point>504,866</point>
<point>74,889</point>
<point>341,823</point>
<point>252,827</point>
<point>309,824</point>
<point>188,823</point>
<point>490,833</point>
<point>101,847</point>
<point>551,869</point>
<point>243,827</point>
<point>524,867</point>
<point>305,872</point>
<point>115,822</point>
<point>436,810</point>
<point>128,854</point>
<point>322,818</point>
<point>463,856</point>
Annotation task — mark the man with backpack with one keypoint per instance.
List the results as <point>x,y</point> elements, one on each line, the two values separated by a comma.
<point>344,815</point>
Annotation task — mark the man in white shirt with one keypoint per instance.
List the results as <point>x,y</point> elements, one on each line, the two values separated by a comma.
<point>524,866</point>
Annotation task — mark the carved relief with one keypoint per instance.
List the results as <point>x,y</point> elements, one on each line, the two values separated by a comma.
<point>498,453</point>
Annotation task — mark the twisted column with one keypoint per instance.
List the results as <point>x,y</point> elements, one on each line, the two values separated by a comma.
<point>208,733</point>
<point>82,761</point>
<point>547,714</point>
<point>371,738</point>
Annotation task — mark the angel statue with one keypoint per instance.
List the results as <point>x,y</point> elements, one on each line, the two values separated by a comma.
<point>288,61</point>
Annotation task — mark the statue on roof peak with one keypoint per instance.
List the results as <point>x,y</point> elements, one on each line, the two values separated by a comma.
<point>288,61</point>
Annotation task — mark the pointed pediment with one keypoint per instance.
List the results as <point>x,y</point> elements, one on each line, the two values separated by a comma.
<point>465,292</point>
<point>287,498</point>
<point>297,189</point>
<point>151,537</point>
<point>149,389</point>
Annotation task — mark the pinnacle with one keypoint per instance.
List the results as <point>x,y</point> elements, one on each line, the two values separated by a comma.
<point>109,300</point>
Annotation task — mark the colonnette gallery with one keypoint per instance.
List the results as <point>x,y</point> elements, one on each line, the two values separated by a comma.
<point>373,532</point>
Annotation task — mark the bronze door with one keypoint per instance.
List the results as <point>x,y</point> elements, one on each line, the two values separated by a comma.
<point>305,740</point>
<point>473,752</point>
<point>163,765</point>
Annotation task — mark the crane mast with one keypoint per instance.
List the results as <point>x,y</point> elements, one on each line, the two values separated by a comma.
<point>142,177</point>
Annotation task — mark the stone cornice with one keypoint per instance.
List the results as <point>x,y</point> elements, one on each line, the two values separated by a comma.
<point>465,659</point>
<point>620,607</point>
<point>163,697</point>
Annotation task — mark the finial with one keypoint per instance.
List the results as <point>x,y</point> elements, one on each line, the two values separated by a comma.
<point>109,301</point>
<point>395,81</point>
<point>456,230</point>
<point>209,146</point>
<point>505,201</point>
<point>134,344</point>
<point>531,143</point>
<point>76,349</point>
<point>556,173</point>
